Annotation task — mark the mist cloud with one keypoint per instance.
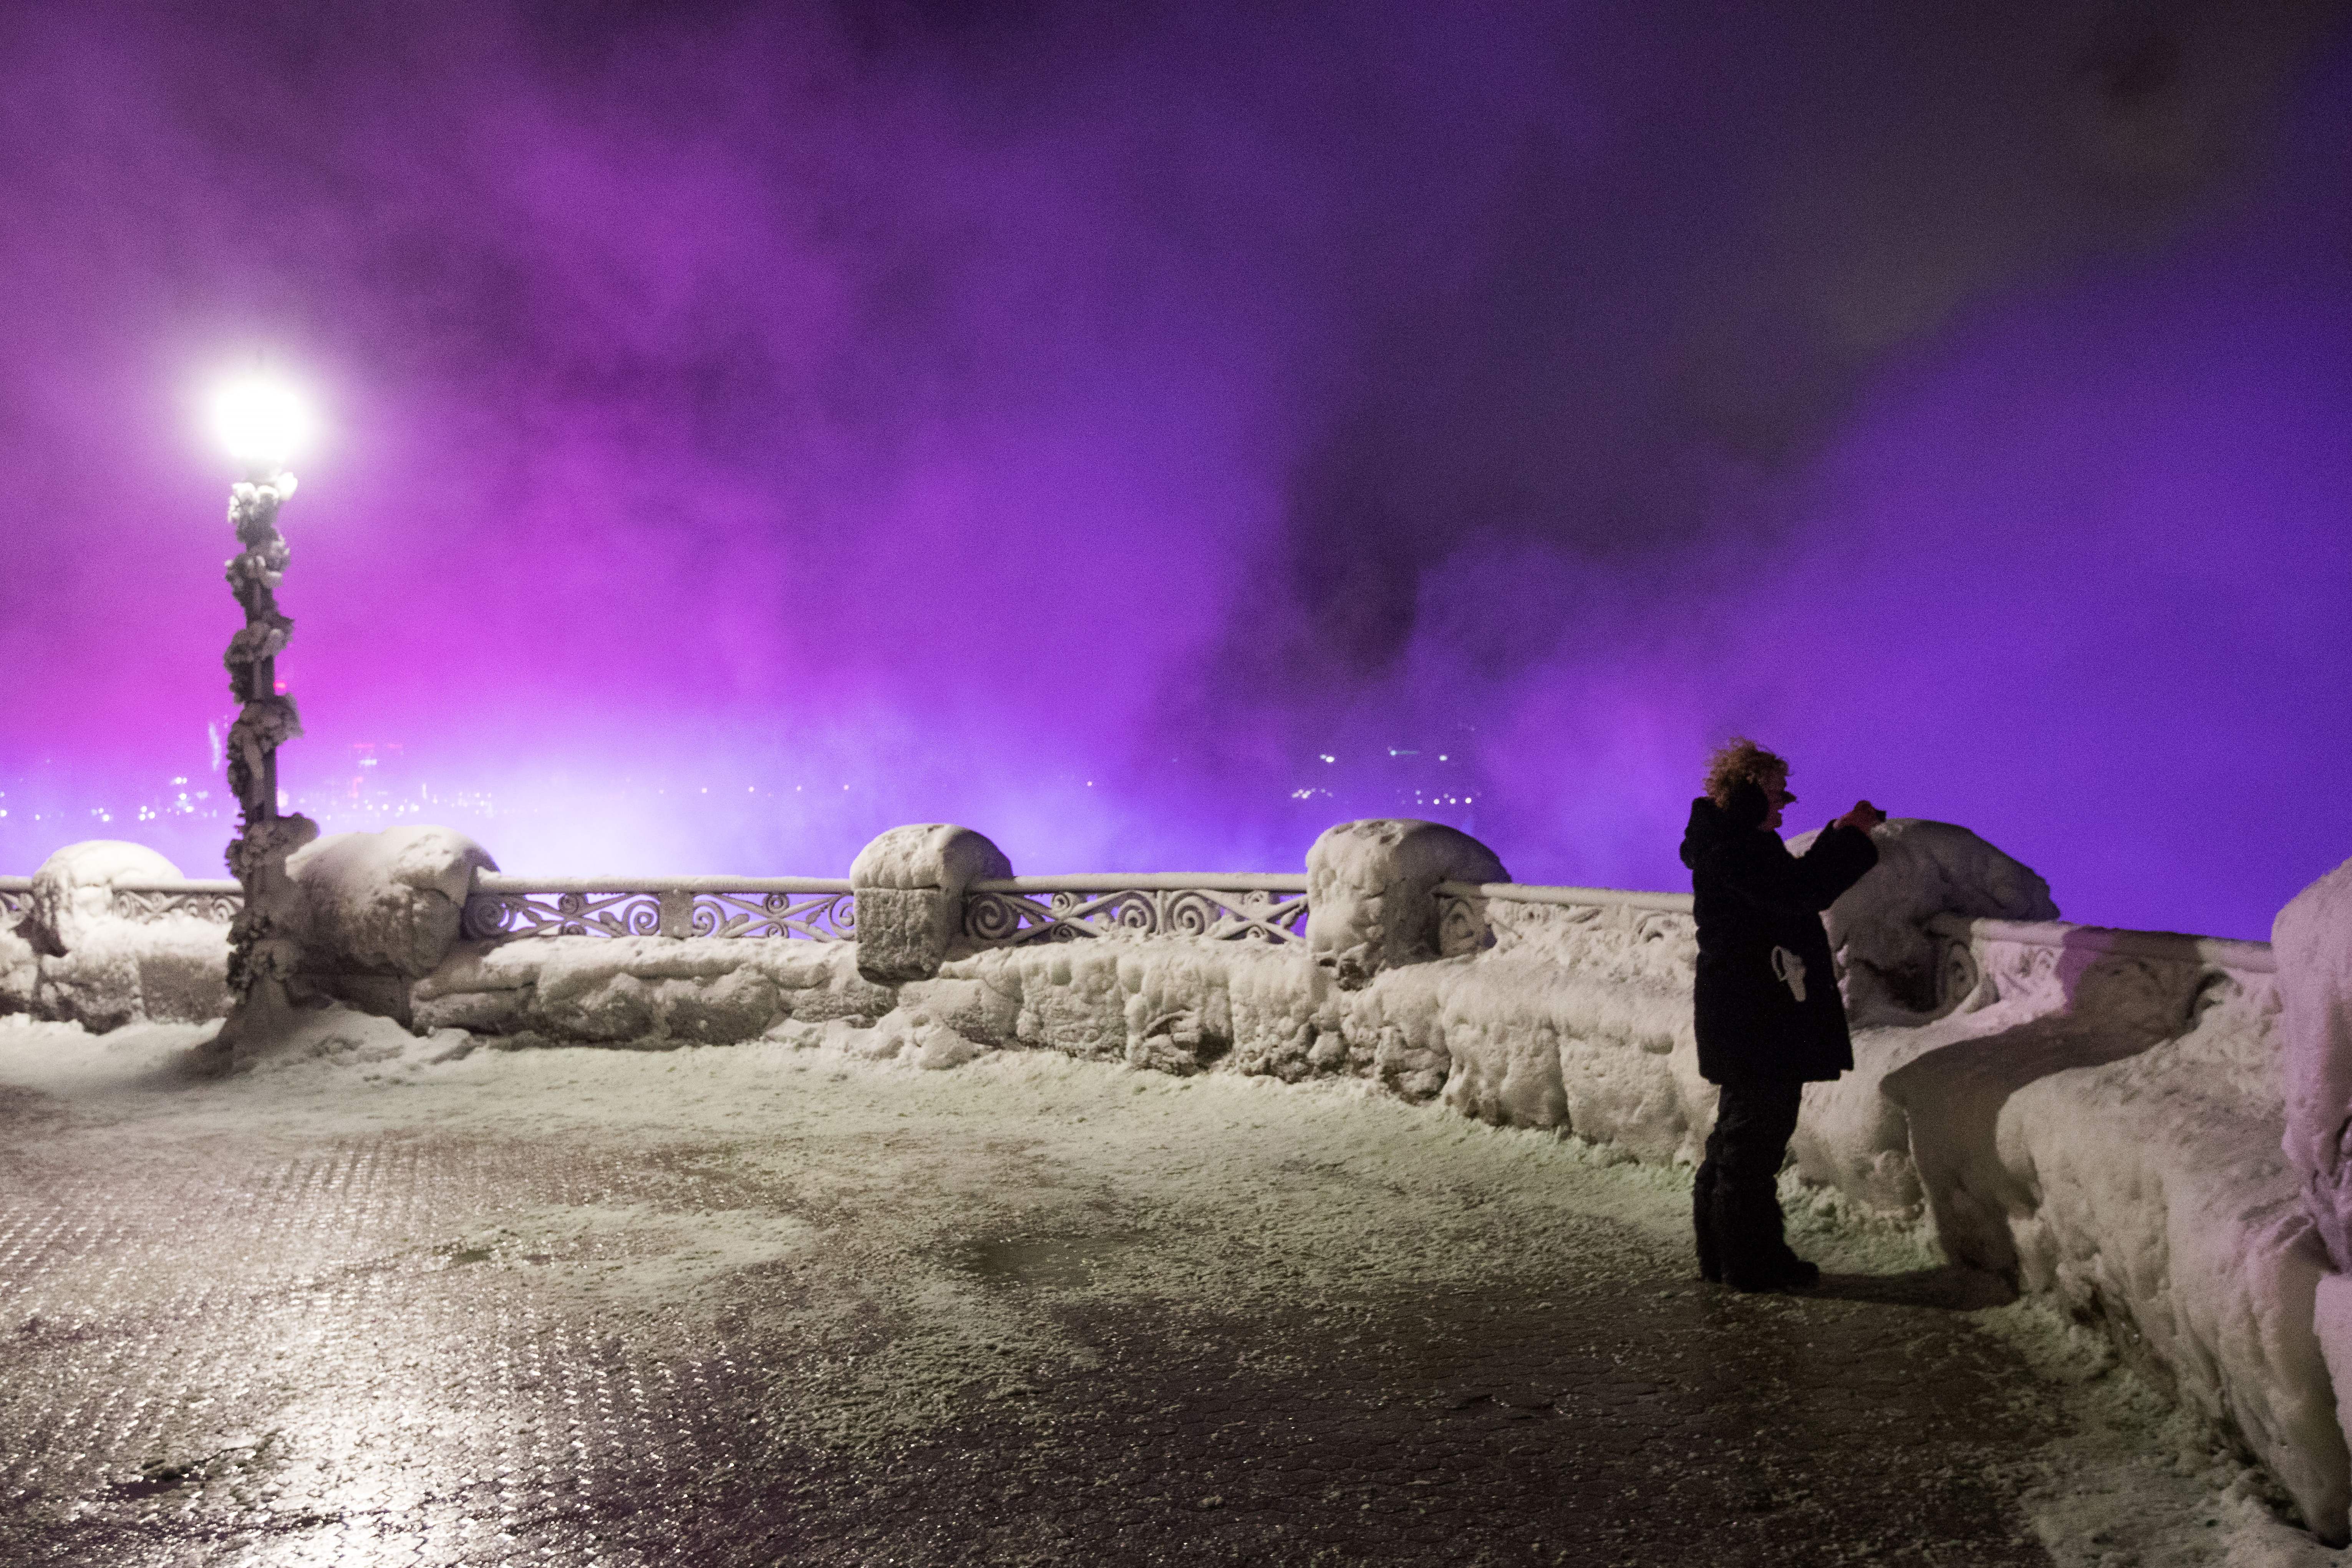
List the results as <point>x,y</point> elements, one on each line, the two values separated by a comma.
<point>1078,425</point>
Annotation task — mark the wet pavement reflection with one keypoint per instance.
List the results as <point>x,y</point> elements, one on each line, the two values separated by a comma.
<point>226,1348</point>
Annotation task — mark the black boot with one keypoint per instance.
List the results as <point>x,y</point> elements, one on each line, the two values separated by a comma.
<point>1782,1267</point>
<point>1748,1245</point>
<point>1710,1258</point>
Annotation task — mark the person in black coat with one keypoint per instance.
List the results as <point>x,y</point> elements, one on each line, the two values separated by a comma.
<point>1770,1018</point>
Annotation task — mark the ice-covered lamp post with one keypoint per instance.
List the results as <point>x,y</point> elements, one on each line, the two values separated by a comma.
<point>261,422</point>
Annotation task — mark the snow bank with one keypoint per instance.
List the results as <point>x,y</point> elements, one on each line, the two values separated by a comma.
<point>1580,1019</point>
<point>2151,1193</point>
<point>1567,1022</point>
<point>2099,1117</point>
<point>371,910</point>
<point>2313,940</point>
<point>347,1036</point>
<point>644,991</point>
<point>74,958</point>
<point>20,970</point>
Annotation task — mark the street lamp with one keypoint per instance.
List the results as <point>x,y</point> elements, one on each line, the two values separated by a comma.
<point>261,422</point>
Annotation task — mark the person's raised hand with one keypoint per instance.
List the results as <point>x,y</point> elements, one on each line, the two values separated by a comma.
<point>1862,817</point>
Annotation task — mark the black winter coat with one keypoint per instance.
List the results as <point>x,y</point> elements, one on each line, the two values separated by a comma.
<point>1768,1003</point>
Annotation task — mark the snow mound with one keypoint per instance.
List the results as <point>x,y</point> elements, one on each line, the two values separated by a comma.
<point>20,970</point>
<point>82,961</point>
<point>73,891</point>
<point>383,903</point>
<point>910,884</point>
<point>644,991</point>
<point>1371,891</point>
<point>936,855</point>
<point>2313,940</point>
<point>342,1036</point>
<point>1879,926</point>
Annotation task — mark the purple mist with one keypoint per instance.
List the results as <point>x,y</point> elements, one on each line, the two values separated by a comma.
<point>751,427</point>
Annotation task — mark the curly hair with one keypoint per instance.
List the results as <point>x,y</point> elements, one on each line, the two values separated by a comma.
<point>1741,758</point>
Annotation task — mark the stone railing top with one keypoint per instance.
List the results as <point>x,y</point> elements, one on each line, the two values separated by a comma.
<point>1146,882</point>
<point>2225,953</point>
<point>504,882</point>
<point>1575,897</point>
<point>190,885</point>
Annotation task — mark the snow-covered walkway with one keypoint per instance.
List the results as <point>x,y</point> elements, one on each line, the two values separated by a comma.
<point>753,1304</point>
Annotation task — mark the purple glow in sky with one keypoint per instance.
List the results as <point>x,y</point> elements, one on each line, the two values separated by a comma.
<point>898,411</point>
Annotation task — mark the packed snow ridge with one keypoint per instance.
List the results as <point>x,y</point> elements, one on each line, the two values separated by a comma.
<point>2151,1128</point>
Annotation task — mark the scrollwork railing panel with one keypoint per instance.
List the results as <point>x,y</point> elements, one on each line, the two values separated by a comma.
<point>505,908</point>
<point>999,919</point>
<point>492,917</point>
<point>812,917</point>
<point>149,905</point>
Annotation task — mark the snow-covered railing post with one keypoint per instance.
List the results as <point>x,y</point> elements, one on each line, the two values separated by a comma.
<point>910,884</point>
<point>1372,892</point>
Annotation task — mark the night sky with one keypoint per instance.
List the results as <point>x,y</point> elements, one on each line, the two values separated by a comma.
<point>1078,421</point>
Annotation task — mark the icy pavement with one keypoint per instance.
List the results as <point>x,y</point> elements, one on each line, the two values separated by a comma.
<point>751,1305</point>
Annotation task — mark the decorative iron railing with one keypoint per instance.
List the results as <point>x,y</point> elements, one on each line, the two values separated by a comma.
<point>2168,971</point>
<point>816,909</point>
<point>1462,926</point>
<point>2165,946</point>
<point>1240,906</point>
<point>215,900</point>
<point>1227,906</point>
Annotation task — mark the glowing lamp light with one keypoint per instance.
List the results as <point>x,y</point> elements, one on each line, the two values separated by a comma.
<point>262,423</point>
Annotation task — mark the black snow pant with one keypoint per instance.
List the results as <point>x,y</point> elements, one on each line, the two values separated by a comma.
<point>1735,1203</point>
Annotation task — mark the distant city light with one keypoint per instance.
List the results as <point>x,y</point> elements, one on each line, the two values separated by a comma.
<point>262,422</point>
